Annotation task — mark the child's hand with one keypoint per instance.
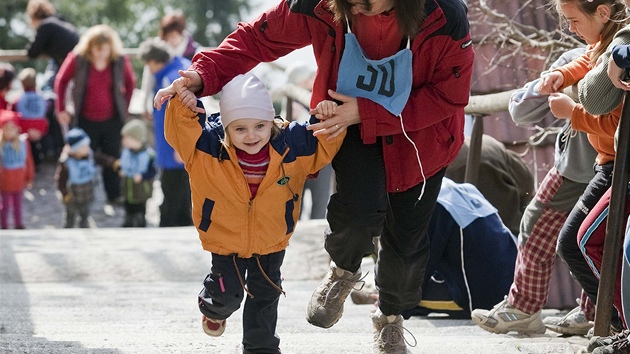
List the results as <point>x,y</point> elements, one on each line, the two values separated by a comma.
<point>615,74</point>
<point>164,94</point>
<point>324,109</point>
<point>63,118</point>
<point>137,178</point>
<point>344,116</point>
<point>185,86</point>
<point>550,83</point>
<point>34,135</point>
<point>67,198</point>
<point>561,105</point>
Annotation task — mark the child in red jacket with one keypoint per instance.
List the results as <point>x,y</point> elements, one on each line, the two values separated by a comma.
<point>16,168</point>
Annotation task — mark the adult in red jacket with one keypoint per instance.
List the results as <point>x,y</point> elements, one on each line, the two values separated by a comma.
<point>401,70</point>
<point>104,81</point>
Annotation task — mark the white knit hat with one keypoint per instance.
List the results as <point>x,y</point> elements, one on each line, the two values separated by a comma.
<point>245,97</point>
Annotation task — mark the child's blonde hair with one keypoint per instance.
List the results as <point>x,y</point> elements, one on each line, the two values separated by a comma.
<point>28,78</point>
<point>276,127</point>
<point>10,117</point>
<point>618,19</point>
<point>97,36</point>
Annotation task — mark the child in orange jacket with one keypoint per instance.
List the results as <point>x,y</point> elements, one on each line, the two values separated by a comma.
<point>247,171</point>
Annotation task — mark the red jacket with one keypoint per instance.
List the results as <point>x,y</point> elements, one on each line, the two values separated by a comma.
<point>97,95</point>
<point>16,179</point>
<point>442,70</point>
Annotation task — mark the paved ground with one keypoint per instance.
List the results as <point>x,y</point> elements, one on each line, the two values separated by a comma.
<point>112,290</point>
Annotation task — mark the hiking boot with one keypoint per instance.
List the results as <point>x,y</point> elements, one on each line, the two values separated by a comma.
<point>621,346</point>
<point>573,323</point>
<point>504,318</point>
<point>326,305</point>
<point>597,342</point>
<point>212,327</point>
<point>389,336</point>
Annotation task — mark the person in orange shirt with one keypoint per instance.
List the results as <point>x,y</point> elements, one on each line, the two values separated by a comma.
<point>589,20</point>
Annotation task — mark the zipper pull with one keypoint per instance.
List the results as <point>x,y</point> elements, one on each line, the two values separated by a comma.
<point>221,285</point>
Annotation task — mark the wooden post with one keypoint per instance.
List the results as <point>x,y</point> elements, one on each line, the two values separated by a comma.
<point>289,109</point>
<point>615,226</point>
<point>474,150</point>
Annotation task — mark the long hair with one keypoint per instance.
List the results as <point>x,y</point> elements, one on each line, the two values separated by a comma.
<point>96,36</point>
<point>618,19</point>
<point>409,13</point>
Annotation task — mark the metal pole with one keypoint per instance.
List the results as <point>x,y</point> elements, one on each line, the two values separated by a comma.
<point>615,226</point>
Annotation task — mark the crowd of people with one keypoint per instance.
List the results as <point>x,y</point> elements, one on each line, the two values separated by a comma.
<point>385,120</point>
<point>86,92</point>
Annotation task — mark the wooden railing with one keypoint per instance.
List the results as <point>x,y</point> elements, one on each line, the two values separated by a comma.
<point>13,55</point>
<point>479,107</point>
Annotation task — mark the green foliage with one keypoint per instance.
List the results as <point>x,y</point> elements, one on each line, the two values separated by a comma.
<point>208,20</point>
<point>215,19</point>
<point>13,24</point>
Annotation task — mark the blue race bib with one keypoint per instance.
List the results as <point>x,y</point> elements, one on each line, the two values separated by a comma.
<point>386,81</point>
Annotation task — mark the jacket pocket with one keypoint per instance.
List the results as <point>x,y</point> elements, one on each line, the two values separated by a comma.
<point>442,134</point>
<point>288,215</point>
<point>206,212</point>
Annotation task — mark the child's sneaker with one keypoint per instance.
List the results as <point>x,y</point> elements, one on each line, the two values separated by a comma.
<point>212,327</point>
<point>573,323</point>
<point>504,318</point>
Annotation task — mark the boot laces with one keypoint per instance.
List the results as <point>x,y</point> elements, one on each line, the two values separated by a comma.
<point>393,334</point>
<point>333,288</point>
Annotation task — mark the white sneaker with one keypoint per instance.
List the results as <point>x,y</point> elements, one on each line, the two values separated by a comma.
<point>573,323</point>
<point>504,318</point>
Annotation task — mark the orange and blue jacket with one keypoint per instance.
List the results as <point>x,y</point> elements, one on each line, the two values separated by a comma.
<point>600,129</point>
<point>229,221</point>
